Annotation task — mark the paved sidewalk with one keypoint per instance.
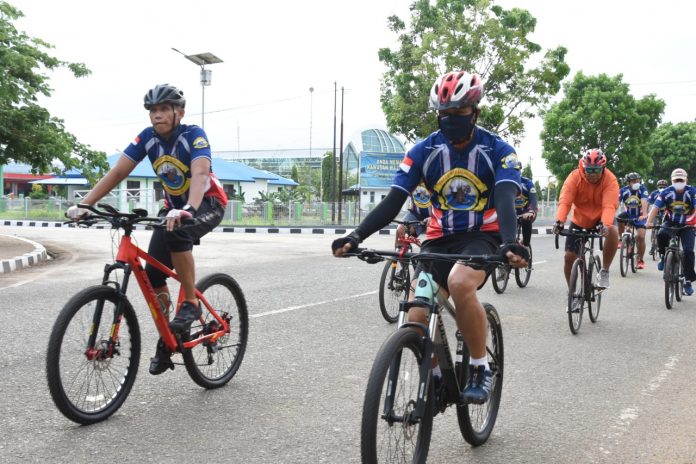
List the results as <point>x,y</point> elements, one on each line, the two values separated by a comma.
<point>17,253</point>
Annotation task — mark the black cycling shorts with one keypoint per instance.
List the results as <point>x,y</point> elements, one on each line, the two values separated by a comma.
<point>572,242</point>
<point>163,243</point>
<point>471,243</point>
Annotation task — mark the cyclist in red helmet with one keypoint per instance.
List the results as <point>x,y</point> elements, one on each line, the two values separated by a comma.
<point>473,177</point>
<point>593,192</point>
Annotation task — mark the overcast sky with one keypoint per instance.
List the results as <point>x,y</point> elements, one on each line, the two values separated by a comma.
<point>274,51</point>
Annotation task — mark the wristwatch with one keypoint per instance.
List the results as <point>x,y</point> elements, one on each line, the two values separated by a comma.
<point>190,209</point>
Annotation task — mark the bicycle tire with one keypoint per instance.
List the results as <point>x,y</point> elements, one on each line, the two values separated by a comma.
<point>412,441</point>
<point>633,254</point>
<point>624,256</point>
<point>677,277</point>
<point>476,421</point>
<point>669,278</point>
<point>500,277</point>
<point>102,384</point>
<point>653,244</point>
<point>576,296</point>
<point>595,302</point>
<point>522,275</point>
<point>210,364</point>
<point>395,290</point>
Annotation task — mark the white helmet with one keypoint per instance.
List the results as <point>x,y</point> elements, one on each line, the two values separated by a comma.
<point>455,90</point>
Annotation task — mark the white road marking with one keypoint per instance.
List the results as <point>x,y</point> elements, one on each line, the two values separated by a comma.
<point>309,305</point>
<point>629,415</point>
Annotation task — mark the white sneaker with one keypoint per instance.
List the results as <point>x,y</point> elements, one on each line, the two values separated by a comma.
<point>603,279</point>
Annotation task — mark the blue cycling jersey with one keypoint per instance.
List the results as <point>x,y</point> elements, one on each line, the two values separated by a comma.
<point>461,183</point>
<point>631,200</point>
<point>522,200</point>
<point>679,206</point>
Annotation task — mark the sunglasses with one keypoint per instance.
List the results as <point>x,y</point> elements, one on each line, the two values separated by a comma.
<point>594,169</point>
<point>679,180</point>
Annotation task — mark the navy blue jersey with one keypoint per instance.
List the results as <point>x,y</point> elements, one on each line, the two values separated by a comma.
<point>461,183</point>
<point>653,196</point>
<point>522,204</point>
<point>631,199</point>
<point>679,206</point>
<point>171,160</point>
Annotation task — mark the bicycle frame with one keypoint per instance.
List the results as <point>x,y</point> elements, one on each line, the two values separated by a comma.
<point>129,259</point>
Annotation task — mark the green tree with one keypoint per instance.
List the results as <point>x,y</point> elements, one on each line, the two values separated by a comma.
<point>326,164</point>
<point>37,192</point>
<point>672,146</point>
<point>471,35</point>
<point>527,171</point>
<point>28,133</point>
<point>599,112</point>
<point>537,187</point>
<point>294,175</point>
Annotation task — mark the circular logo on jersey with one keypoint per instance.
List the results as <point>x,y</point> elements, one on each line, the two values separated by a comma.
<point>520,201</point>
<point>421,197</point>
<point>172,173</point>
<point>679,207</point>
<point>459,189</point>
<point>632,201</point>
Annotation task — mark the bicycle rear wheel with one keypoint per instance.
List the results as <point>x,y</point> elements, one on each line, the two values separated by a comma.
<point>677,277</point>
<point>624,256</point>
<point>500,277</point>
<point>595,301</point>
<point>669,277</point>
<point>394,286</point>
<point>476,421</point>
<point>89,383</point>
<point>522,275</point>
<point>653,244</point>
<point>634,254</point>
<point>576,295</point>
<point>389,432</point>
<point>212,364</point>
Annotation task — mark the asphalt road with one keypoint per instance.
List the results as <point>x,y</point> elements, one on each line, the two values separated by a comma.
<point>622,391</point>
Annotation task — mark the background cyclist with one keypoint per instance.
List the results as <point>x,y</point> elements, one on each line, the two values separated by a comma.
<point>679,201</point>
<point>661,185</point>
<point>473,177</point>
<point>634,199</point>
<point>418,210</point>
<point>180,156</point>
<point>526,206</point>
<point>593,192</point>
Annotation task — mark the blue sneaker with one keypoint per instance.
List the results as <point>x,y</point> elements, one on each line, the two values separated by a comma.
<point>478,386</point>
<point>688,289</point>
<point>661,264</point>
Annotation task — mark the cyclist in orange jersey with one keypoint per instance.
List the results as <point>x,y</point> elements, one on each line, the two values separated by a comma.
<point>593,191</point>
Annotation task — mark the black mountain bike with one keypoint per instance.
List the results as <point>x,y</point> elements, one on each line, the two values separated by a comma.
<point>395,282</point>
<point>401,398</point>
<point>653,235</point>
<point>628,255</point>
<point>522,275</point>
<point>673,273</point>
<point>581,289</point>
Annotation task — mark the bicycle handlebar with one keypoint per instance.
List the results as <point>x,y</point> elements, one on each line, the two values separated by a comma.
<point>374,256</point>
<point>119,219</point>
<point>580,233</point>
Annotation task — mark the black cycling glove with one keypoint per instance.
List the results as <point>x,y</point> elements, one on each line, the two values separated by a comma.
<point>516,248</point>
<point>558,227</point>
<point>352,238</point>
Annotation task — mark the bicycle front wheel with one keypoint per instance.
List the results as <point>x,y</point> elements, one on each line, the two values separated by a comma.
<point>625,256</point>
<point>678,277</point>
<point>211,364</point>
<point>669,277</point>
<point>389,430</point>
<point>653,244</point>
<point>522,275</point>
<point>394,286</point>
<point>88,383</point>
<point>576,296</point>
<point>634,255</point>
<point>476,421</point>
<point>595,301</point>
<point>500,278</point>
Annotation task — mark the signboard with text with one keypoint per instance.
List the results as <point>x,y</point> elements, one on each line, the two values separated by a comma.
<point>377,170</point>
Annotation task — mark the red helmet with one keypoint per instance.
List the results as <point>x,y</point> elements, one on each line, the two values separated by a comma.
<point>455,90</point>
<point>593,157</point>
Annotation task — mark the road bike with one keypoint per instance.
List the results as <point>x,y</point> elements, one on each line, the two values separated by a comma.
<point>401,398</point>
<point>395,281</point>
<point>673,272</point>
<point>581,287</point>
<point>94,347</point>
<point>522,275</point>
<point>628,255</point>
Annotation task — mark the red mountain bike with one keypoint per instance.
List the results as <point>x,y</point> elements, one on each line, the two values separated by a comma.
<point>94,347</point>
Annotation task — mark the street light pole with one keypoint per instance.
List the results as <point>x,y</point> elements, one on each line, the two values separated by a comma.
<point>201,59</point>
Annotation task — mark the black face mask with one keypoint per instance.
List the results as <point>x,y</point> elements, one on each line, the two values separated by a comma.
<point>457,128</point>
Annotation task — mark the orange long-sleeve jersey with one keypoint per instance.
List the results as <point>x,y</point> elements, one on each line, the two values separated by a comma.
<point>592,202</point>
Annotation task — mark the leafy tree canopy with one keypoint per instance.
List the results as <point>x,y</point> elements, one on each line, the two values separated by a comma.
<point>470,35</point>
<point>28,133</point>
<point>673,146</point>
<point>599,112</point>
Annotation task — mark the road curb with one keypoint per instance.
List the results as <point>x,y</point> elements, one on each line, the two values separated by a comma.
<point>318,230</point>
<point>25,260</point>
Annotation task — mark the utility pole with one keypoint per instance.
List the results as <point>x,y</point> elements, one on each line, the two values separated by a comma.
<point>340,165</point>
<point>332,177</point>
